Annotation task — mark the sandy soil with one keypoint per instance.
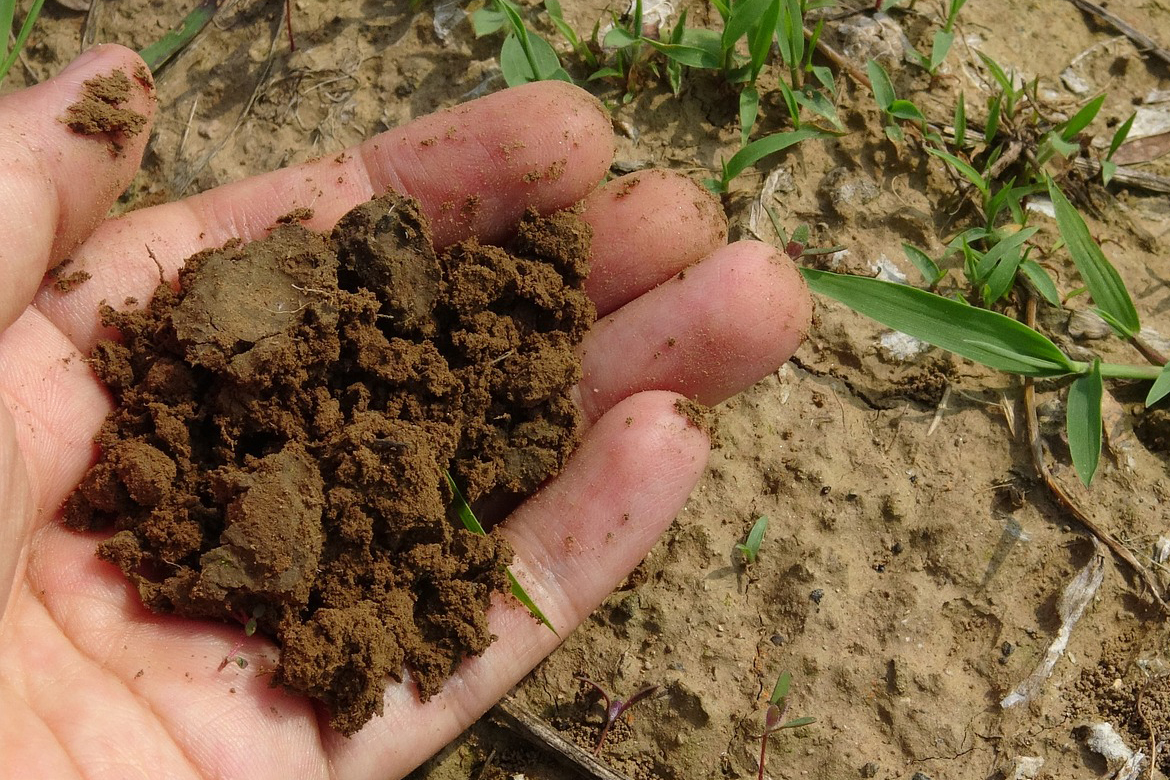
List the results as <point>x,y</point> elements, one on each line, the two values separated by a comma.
<point>882,585</point>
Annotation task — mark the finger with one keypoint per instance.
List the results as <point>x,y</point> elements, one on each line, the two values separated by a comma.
<point>50,407</point>
<point>57,184</point>
<point>647,227</point>
<point>714,330</point>
<point>574,540</point>
<point>475,168</point>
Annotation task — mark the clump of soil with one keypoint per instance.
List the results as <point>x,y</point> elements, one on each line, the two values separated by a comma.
<point>284,421</point>
<point>100,110</point>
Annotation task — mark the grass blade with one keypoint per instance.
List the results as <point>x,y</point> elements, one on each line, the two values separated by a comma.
<point>964,168</point>
<point>522,596</point>
<point>1083,422</point>
<point>1082,118</point>
<point>467,517</point>
<point>744,15</point>
<point>1102,279</point>
<point>159,53</point>
<point>1161,387</point>
<point>925,265</point>
<point>984,336</point>
<point>8,9</point>
<point>749,107</point>
<point>761,148</point>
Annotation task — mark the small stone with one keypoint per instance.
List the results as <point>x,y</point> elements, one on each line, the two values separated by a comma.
<point>817,595</point>
<point>777,639</point>
<point>870,769</point>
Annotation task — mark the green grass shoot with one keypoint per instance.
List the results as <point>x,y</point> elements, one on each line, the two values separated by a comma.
<point>471,523</point>
<point>162,51</point>
<point>750,547</point>
<point>7,18</point>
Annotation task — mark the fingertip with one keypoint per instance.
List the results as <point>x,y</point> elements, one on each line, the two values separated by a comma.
<point>542,145</point>
<point>648,226</point>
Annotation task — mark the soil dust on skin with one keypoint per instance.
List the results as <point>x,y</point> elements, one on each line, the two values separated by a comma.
<point>872,584</point>
<point>283,426</point>
<point>100,111</point>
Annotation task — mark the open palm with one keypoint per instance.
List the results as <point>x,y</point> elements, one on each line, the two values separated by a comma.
<point>91,684</point>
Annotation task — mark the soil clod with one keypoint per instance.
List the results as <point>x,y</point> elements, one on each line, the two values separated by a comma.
<point>285,419</point>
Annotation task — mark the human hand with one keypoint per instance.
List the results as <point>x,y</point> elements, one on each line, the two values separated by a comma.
<point>92,684</point>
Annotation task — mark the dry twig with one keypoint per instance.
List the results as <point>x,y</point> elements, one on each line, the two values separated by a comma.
<point>1144,42</point>
<point>537,731</point>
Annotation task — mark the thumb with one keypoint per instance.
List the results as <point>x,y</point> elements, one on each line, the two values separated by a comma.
<point>70,146</point>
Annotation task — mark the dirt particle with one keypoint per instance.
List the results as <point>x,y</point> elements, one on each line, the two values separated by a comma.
<point>285,419</point>
<point>626,187</point>
<point>697,415</point>
<point>429,141</point>
<point>100,112</point>
<point>507,149</point>
<point>299,214</point>
<point>556,170</point>
<point>67,284</point>
<point>531,176</point>
<point>471,205</point>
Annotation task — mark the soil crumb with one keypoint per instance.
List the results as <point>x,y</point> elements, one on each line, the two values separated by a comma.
<point>284,421</point>
<point>71,282</point>
<point>100,110</point>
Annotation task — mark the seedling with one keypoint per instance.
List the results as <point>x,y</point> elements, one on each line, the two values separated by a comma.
<point>941,44</point>
<point>758,150</point>
<point>524,56</point>
<point>467,517</point>
<point>1004,344</point>
<point>7,14</point>
<point>614,708</point>
<point>774,717</point>
<point>750,547</point>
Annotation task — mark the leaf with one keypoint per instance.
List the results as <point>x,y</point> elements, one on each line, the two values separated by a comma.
<point>1084,422</point>
<point>1035,273</point>
<point>939,48</point>
<point>618,38</point>
<point>467,517</point>
<point>749,106</point>
<point>960,122</point>
<point>1102,279</point>
<point>984,336</point>
<point>926,266</point>
<point>744,15</point>
<point>689,54</point>
<point>964,168</point>
<point>522,596</point>
<point>798,722</point>
<point>781,688</point>
<point>486,21</point>
<point>1160,387</point>
<point>883,90</point>
<point>1081,119</point>
<point>751,546</point>
<point>1002,248</point>
<point>760,37</point>
<point>1120,136</point>
<point>904,109</point>
<point>790,33</point>
<point>761,148</point>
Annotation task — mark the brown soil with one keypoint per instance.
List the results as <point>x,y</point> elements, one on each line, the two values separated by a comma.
<point>285,419</point>
<point>100,110</point>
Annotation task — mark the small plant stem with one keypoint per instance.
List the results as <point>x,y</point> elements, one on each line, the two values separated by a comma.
<point>1120,370</point>
<point>763,751</point>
